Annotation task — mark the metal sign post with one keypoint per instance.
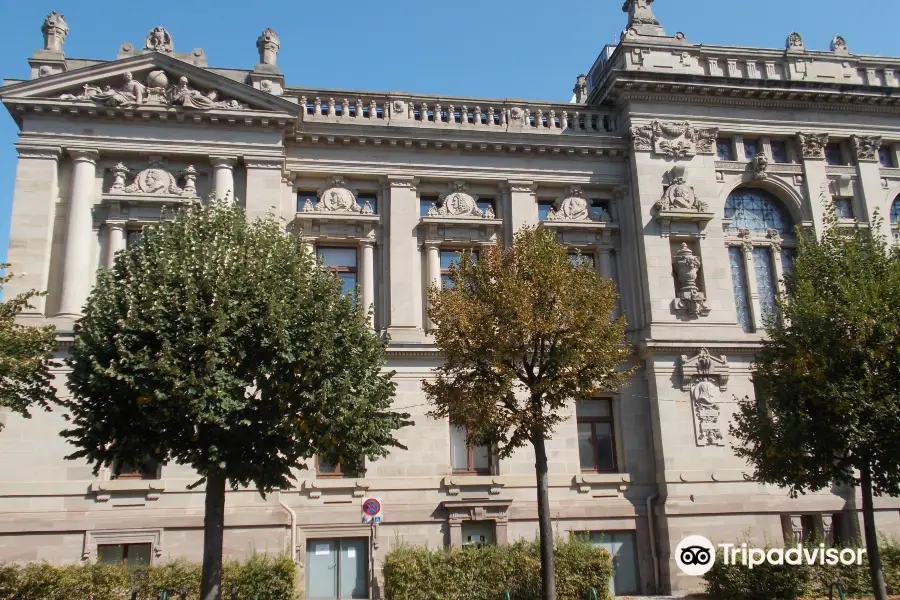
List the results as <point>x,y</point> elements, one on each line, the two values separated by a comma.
<point>372,514</point>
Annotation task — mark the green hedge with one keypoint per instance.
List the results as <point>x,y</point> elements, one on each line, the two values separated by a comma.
<point>271,578</point>
<point>416,573</point>
<point>789,582</point>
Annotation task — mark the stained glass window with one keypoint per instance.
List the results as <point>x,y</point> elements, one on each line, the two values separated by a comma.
<point>765,282</point>
<point>751,149</point>
<point>723,149</point>
<point>741,297</point>
<point>787,260</point>
<point>895,211</point>
<point>885,158</point>
<point>756,210</point>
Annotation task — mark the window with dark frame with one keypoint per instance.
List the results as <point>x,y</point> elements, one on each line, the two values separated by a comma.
<point>596,435</point>
<point>779,151</point>
<point>131,556</point>
<point>751,149</point>
<point>342,262</point>
<point>886,157</point>
<point>449,258</point>
<point>843,207</point>
<point>833,155</point>
<point>150,469</point>
<point>325,469</point>
<point>467,458</point>
<point>724,149</point>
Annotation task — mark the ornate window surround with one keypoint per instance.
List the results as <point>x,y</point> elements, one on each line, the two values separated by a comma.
<point>747,239</point>
<point>92,539</point>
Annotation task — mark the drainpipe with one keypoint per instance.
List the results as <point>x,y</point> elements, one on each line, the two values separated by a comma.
<point>293,516</point>
<point>650,525</point>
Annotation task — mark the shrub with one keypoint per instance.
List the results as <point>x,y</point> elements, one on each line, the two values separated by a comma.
<point>417,573</point>
<point>271,578</point>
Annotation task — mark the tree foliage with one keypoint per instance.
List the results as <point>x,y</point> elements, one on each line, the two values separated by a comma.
<point>25,355</point>
<point>524,331</point>
<point>828,376</point>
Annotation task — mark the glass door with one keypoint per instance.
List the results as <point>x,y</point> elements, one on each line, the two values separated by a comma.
<point>337,569</point>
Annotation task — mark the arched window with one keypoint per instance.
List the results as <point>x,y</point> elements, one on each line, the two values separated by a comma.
<point>760,250</point>
<point>895,211</point>
<point>756,210</point>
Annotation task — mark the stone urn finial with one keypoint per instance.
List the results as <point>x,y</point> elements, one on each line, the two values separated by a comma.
<point>55,31</point>
<point>268,44</point>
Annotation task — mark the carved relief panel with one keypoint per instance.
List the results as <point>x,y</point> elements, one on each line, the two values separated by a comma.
<point>704,376</point>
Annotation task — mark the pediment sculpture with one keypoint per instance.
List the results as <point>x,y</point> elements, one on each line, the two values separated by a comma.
<point>691,302</point>
<point>337,198</point>
<point>575,207</point>
<point>674,139</point>
<point>459,203</point>
<point>157,92</point>
<point>704,376</point>
<point>155,180</point>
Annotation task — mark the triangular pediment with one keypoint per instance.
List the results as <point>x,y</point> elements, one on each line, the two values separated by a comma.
<point>149,81</point>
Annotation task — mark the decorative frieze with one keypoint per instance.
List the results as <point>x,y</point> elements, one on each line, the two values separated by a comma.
<point>674,140</point>
<point>813,145</point>
<point>866,147</point>
<point>691,302</point>
<point>157,91</point>
<point>704,376</point>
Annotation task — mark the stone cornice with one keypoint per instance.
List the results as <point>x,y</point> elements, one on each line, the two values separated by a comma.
<point>38,151</point>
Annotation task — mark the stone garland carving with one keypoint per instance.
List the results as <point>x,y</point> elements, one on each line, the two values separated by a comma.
<point>866,147</point>
<point>459,203</point>
<point>155,180</point>
<point>760,164</point>
<point>813,144</point>
<point>156,92</point>
<point>673,139</point>
<point>795,42</point>
<point>703,376</point>
<point>159,40</point>
<point>691,302</point>
<point>337,199</point>
<point>574,207</point>
<point>55,30</point>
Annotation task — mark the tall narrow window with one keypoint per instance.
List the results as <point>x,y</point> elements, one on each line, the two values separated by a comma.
<point>741,295</point>
<point>596,435</point>
<point>751,149</point>
<point>762,264</point>
<point>724,149</point>
<point>843,208</point>
<point>341,262</point>
<point>787,260</point>
<point>895,211</point>
<point>833,154</point>
<point>885,157</point>
<point>466,457</point>
<point>779,151</point>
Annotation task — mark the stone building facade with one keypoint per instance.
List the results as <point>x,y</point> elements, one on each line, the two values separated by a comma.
<point>679,169</point>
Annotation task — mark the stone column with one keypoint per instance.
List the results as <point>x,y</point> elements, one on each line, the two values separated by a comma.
<point>815,180</point>
<point>456,533</point>
<point>522,207</point>
<point>116,242</point>
<point>865,150</point>
<point>367,285</point>
<point>604,262</point>
<point>406,293</point>
<point>778,267</point>
<point>223,176</point>
<point>752,289</point>
<point>79,224</point>
<point>433,260</point>
<point>33,213</point>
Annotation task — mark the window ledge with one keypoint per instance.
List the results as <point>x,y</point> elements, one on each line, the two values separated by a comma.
<point>589,225</point>
<point>602,484</point>
<point>455,483</point>
<point>103,490</point>
<point>338,217</point>
<point>314,487</point>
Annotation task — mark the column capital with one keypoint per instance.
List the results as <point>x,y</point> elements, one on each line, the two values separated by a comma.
<point>431,244</point>
<point>865,147</point>
<point>522,186</point>
<point>367,243</point>
<point>117,225</point>
<point>44,152</point>
<point>401,181</point>
<point>812,145</point>
<point>83,155</point>
<point>223,161</point>
<point>262,162</point>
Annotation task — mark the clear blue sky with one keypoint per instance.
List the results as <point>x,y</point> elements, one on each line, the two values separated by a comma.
<point>496,49</point>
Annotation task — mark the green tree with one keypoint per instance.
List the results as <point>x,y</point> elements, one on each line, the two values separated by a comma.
<point>25,355</point>
<point>219,344</point>
<point>524,331</point>
<point>828,377</point>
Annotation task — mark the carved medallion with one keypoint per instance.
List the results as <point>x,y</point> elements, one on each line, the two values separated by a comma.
<point>155,180</point>
<point>459,203</point>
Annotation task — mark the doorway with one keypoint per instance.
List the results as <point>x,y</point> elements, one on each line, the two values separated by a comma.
<point>337,569</point>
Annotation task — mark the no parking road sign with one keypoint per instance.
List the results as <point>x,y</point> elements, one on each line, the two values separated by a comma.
<point>372,511</point>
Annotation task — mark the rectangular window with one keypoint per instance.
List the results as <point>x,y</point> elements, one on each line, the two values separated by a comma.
<point>779,151</point>
<point>425,204</point>
<point>341,262</point>
<point>131,556</point>
<point>467,458</point>
<point>833,155</point>
<point>337,568</point>
<point>724,149</point>
<point>148,470</point>
<point>544,208</point>
<point>449,258</point>
<point>372,199</point>
<point>886,157</point>
<point>787,260</point>
<point>843,208</point>
<point>596,435</point>
<point>327,469</point>
<point>476,534</point>
<point>751,149</point>
<point>765,282</point>
<point>623,551</point>
<point>304,197</point>
<point>741,295</point>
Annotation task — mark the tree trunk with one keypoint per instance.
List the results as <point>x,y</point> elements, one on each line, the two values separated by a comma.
<point>875,571</point>
<point>545,527</point>
<point>213,530</point>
